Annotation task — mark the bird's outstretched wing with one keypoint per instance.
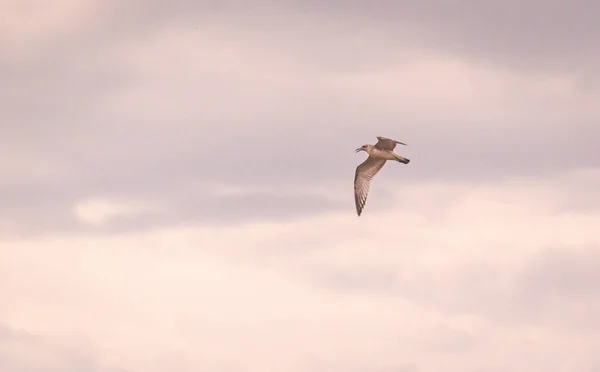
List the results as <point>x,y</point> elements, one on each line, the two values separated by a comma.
<point>362,180</point>
<point>386,143</point>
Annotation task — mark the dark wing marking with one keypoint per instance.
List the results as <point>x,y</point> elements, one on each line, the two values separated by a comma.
<point>386,143</point>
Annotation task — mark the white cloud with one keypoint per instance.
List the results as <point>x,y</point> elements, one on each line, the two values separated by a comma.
<point>323,290</point>
<point>99,211</point>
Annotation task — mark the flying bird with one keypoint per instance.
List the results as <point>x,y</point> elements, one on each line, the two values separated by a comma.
<point>379,154</point>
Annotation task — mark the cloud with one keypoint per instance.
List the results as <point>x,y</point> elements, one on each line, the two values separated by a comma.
<point>98,212</point>
<point>465,285</point>
<point>119,101</point>
<point>21,351</point>
<point>563,272</point>
<point>178,195</point>
<point>538,36</point>
<point>155,160</point>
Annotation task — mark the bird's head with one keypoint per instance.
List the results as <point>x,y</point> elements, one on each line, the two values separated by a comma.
<point>364,148</point>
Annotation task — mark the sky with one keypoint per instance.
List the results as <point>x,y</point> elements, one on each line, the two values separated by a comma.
<point>175,184</point>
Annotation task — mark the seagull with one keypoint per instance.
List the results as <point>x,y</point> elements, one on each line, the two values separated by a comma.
<point>379,154</point>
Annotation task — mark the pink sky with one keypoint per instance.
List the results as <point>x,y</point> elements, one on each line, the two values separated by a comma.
<point>176,186</point>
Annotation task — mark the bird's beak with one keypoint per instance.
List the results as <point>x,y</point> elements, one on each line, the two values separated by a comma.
<point>402,143</point>
<point>358,149</point>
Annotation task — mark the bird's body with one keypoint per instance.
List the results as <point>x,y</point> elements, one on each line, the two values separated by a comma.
<point>379,154</point>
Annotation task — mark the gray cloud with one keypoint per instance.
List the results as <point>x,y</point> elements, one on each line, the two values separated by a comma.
<point>40,354</point>
<point>559,287</point>
<point>335,366</point>
<point>556,288</point>
<point>10,334</point>
<point>537,35</point>
<point>217,210</point>
<point>80,100</point>
<point>570,273</point>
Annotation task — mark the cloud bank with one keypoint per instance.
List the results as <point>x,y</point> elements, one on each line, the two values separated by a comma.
<point>176,186</point>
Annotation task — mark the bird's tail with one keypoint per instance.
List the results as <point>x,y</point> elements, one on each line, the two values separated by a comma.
<point>401,159</point>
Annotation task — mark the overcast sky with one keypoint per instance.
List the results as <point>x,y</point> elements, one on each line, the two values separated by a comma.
<point>176,186</point>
